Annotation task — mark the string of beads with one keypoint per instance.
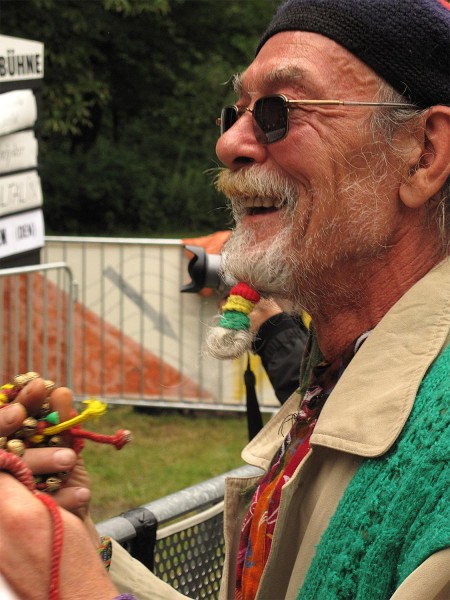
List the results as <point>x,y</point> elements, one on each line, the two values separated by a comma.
<point>45,429</point>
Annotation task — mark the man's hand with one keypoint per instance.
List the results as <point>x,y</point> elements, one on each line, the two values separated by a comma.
<point>26,547</point>
<point>75,494</point>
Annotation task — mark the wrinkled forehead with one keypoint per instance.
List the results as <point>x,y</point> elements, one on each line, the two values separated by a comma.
<point>304,62</point>
<point>277,76</point>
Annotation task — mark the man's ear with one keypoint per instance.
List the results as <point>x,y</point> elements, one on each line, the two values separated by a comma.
<point>428,173</point>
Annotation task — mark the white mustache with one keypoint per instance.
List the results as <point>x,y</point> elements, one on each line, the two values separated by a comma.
<point>254,184</point>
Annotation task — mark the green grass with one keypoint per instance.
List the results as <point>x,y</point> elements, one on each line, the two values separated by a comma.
<point>168,452</point>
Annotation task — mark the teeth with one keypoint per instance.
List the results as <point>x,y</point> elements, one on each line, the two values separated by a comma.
<point>259,202</point>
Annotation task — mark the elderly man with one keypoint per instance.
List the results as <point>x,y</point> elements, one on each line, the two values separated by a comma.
<point>336,162</point>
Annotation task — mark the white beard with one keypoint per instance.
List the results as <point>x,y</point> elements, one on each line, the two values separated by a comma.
<point>265,267</point>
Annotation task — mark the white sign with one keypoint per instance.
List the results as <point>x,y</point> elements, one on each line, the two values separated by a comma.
<point>18,151</point>
<point>20,59</point>
<point>19,192</point>
<point>21,233</point>
<point>18,110</point>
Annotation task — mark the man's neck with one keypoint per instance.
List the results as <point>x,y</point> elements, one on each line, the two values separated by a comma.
<point>342,319</point>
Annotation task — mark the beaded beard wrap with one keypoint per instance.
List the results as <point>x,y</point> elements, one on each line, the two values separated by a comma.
<point>232,336</point>
<point>44,430</point>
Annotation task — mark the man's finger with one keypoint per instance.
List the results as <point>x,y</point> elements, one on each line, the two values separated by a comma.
<point>61,400</point>
<point>32,395</point>
<point>73,499</point>
<point>11,418</point>
<point>50,460</point>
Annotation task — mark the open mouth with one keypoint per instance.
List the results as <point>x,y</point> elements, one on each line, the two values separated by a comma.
<point>261,210</point>
<point>261,206</point>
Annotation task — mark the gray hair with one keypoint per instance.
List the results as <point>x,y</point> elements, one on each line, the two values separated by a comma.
<point>387,121</point>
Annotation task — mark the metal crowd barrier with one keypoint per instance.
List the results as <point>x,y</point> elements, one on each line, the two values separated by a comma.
<point>187,553</point>
<point>137,339</point>
<point>36,321</point>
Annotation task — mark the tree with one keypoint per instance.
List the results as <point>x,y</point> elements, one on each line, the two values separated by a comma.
<point>131,92</point>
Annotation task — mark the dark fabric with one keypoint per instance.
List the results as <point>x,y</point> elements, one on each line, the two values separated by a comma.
<point>406,42</point>
<point>254,417</point>
<point>280,343</point>
<point>312,356</point>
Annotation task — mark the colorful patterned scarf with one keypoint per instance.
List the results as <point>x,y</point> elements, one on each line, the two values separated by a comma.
<point>259,524</point>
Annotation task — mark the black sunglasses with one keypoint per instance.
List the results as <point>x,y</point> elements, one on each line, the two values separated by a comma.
<point>271,114</point>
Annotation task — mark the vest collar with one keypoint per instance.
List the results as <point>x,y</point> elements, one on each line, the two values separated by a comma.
<point>371,402</point>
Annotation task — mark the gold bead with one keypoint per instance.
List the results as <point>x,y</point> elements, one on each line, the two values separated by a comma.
<point>44,410</point>
<point>25,378</point>
<point>19,433</point>
<point>49,386</point>
<point>55,440</point>
<point>53,484</point>
<point>3,442</point>
<point>29,426</point>
<point>16,447</point>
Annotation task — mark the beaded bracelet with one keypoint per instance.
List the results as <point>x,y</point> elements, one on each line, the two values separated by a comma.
<point>105,550</point>
<point>45,429</point>
<point>125,597</point>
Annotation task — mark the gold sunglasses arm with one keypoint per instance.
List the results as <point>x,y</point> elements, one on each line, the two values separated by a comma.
<point>300,103</point>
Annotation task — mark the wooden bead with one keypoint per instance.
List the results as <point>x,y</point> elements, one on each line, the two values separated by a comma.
<point>25,378</point>
<point>55,440</point>
<point>29,426</point>
<point>53,484</point>
<point>49,386</point>
<point>16,447</point>
<point>44,410</point>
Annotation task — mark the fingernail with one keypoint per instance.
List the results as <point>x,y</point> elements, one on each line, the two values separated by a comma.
<point>12,413</point>
<point>83,495</point>
<point>64,458</point>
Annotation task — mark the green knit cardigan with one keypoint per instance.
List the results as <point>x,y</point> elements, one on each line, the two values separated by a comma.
<point>396,510</point>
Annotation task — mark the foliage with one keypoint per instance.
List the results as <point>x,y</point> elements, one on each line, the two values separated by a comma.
<point>131,92</point>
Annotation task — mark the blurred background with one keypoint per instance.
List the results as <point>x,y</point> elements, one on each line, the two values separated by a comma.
<point>130,95</point>
<point>121,160</point>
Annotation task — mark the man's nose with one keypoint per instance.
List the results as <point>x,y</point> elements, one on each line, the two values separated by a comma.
<point>238,145</point>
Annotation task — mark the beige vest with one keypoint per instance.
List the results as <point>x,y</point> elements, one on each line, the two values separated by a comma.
<point>362,418</point>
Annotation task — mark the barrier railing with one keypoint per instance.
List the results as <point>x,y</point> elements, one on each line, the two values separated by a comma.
<point>137,339</point>
<point>187,553</point>
<point>36,321</point>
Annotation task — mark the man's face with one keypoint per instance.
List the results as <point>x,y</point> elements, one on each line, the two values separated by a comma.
<point>314,205</point>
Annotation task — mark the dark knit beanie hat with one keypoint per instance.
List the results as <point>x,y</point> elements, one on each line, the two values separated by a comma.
<point>406,42</point>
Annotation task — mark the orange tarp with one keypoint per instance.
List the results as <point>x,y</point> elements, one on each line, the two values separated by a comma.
<point>44,306</point>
